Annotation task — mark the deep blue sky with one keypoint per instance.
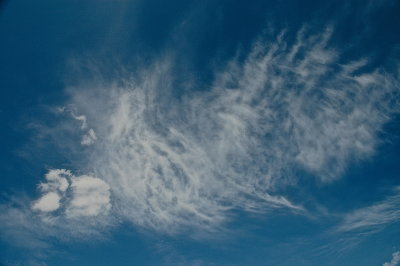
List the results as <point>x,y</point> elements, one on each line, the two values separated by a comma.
<point>47,47</point>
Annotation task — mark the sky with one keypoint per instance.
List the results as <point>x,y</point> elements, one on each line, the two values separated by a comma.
<point>200,132</point>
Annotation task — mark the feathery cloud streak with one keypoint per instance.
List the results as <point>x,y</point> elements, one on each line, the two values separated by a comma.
<point>175,163</point>
<point>170,164</point>
<point>375,216</point>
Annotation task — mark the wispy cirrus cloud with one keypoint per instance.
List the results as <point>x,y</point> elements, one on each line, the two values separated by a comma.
<point>173,164</point>
<point>176,163</point>
<point>374,217</point>
<point>89,135</point>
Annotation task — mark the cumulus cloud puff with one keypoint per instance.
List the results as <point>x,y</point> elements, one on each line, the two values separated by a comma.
<point>70,207</point>
<point>82,195</point>
<point>190,162</point>
<point>56,179</point>
<point>90,196</point>
<point>47,203</point>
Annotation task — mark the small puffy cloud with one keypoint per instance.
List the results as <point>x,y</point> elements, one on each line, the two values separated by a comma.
<point>56,180</point>
<point>395,259</point>
<point>47,203</point>
<point>90,197</point>
<point>86,196</point>
<point>89,138</point>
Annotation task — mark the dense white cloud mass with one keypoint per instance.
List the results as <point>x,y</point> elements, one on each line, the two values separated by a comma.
<point>47,203</point>
<point>175,163</point>
<point>395,259</point>
<point>86,196</point>
<point>56,180</point>
<point>91,196</point>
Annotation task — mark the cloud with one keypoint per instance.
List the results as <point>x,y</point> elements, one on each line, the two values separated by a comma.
<point>47,203</point>
<point>190,162</point>
<point>91,196</point>
<point>81,118</point>
<point>31,229</point>
<point>187,164</point>
<point>69,208</point>
<point>395,259</point>
<point>374,217</point>
<point>86,196</point>
<point>89,137</point>
<point>56,180</point>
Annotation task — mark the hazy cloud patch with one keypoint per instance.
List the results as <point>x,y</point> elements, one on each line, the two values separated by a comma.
<point>395,259</point>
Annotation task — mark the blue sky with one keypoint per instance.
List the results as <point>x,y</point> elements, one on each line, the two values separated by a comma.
<point>199,132</point>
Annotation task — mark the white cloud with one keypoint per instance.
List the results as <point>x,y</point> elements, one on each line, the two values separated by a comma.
<point>176,164</point>
<point>91,197</point>
<point>173,164</point>
<point>56,180</point>
<point>47,203</point>
<point>89,138</point>
<point>395,259</point>
<point>80,118</point>
<point>86,196</point>
<point>375,216</point>
<point>31,229</point>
